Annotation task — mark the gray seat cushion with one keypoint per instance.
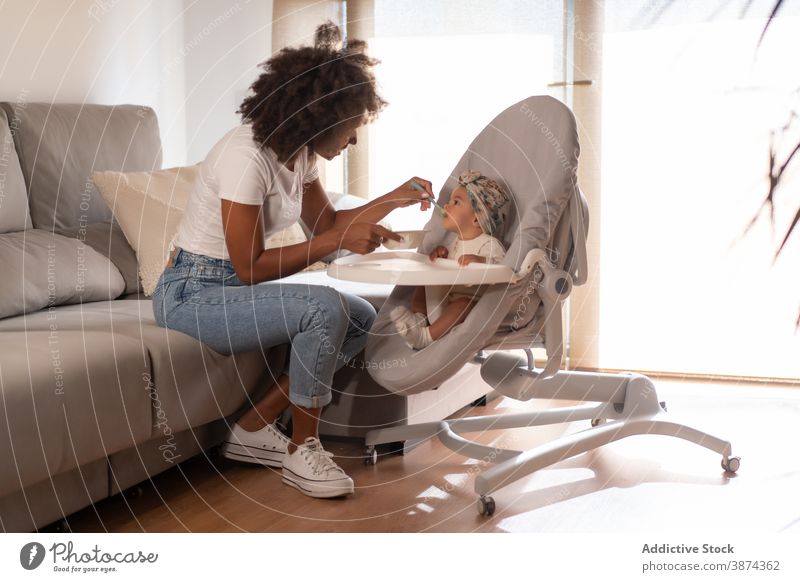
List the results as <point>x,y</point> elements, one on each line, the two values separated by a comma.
<point>125,381</point>
<point>58,412</point>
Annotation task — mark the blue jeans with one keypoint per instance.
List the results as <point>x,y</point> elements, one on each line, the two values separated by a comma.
<point>201,296</point>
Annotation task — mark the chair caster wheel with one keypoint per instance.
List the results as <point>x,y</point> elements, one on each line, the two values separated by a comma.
<point>214,454</point>
<point>60,526</point>
<point>486,506</point>
<point>135,492</point>
<point>482,401</point>
<point>370,455</point>
<point>731,464</point>
<point>597,421</point>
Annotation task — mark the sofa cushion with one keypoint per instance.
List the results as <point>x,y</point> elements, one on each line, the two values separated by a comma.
<point>54,498</point>
<point>60,145</point>
<point>149,207</point>
<point>192,384</point>
<point>42,269</point>
<point>68,398</point>
<point>14,213</point>
<point>108,239</point>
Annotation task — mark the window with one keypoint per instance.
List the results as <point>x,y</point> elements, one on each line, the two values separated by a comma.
<point>675,136</point>
<point>687,109</point>
<point>447,68</point>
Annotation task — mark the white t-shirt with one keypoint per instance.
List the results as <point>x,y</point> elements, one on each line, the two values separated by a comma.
<point>483,245</point>
<point>238,169</point>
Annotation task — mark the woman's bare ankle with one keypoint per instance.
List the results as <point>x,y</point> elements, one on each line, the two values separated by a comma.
<point>252,424</point>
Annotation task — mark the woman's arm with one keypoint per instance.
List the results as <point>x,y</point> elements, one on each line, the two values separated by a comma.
<point>244,238</point>
<point>319,215</point>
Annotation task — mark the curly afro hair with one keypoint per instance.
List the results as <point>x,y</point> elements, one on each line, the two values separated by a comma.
<point>305,93</point>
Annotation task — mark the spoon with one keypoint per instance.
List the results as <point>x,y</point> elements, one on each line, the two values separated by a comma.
<point>438,206</point>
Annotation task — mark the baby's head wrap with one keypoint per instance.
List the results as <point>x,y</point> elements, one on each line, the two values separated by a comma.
<point>488,200</point>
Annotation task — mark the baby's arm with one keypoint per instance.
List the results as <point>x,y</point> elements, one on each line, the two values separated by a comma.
<point>465,260</point>
<point>491,252</point>
<point>438,252</point>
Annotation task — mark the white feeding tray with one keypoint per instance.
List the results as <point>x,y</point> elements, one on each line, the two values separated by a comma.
<point>412,268</point>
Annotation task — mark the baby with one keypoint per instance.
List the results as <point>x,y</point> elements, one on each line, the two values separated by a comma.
<point>476,212</point>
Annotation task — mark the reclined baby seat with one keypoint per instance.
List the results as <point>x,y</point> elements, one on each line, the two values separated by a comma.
<point>532,149</point>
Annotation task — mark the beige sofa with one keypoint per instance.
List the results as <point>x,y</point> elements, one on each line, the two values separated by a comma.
<point>95,396</point>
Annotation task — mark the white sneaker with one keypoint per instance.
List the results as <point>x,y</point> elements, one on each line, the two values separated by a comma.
<point>311,470</point>
<point>266,446</point>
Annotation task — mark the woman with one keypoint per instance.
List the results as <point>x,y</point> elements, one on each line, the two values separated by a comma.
<point>258,179</point>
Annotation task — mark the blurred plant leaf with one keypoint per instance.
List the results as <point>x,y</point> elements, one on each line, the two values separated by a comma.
<point>775,8</point>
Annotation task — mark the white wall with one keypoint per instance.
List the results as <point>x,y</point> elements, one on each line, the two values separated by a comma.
<point>191,60</point>
<point>225,42</point>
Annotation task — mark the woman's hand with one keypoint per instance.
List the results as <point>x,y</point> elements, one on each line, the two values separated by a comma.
<point>362,237</point>
<point>405,195</point>
<point>465,260</point>
<point>438,252</point>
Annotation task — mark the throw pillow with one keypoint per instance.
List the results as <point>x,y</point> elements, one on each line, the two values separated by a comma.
<point>43,269</point>
<point>108,239</point>
<point>149,207</point>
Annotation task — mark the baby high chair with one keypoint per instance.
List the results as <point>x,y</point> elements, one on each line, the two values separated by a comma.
<point>532,149</point>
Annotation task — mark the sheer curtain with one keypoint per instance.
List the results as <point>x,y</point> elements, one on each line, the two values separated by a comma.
<point>447,68</point>
<point>687,109</point>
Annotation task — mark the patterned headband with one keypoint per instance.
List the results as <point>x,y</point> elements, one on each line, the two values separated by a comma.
<point>488,200</point>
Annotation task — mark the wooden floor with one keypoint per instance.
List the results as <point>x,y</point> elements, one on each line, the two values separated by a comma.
<point>643,483</point>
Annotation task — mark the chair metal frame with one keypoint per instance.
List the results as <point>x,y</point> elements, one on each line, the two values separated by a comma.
<point>618,405</point>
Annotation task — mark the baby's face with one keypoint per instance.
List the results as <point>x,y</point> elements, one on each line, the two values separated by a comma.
<point>460,215</point>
